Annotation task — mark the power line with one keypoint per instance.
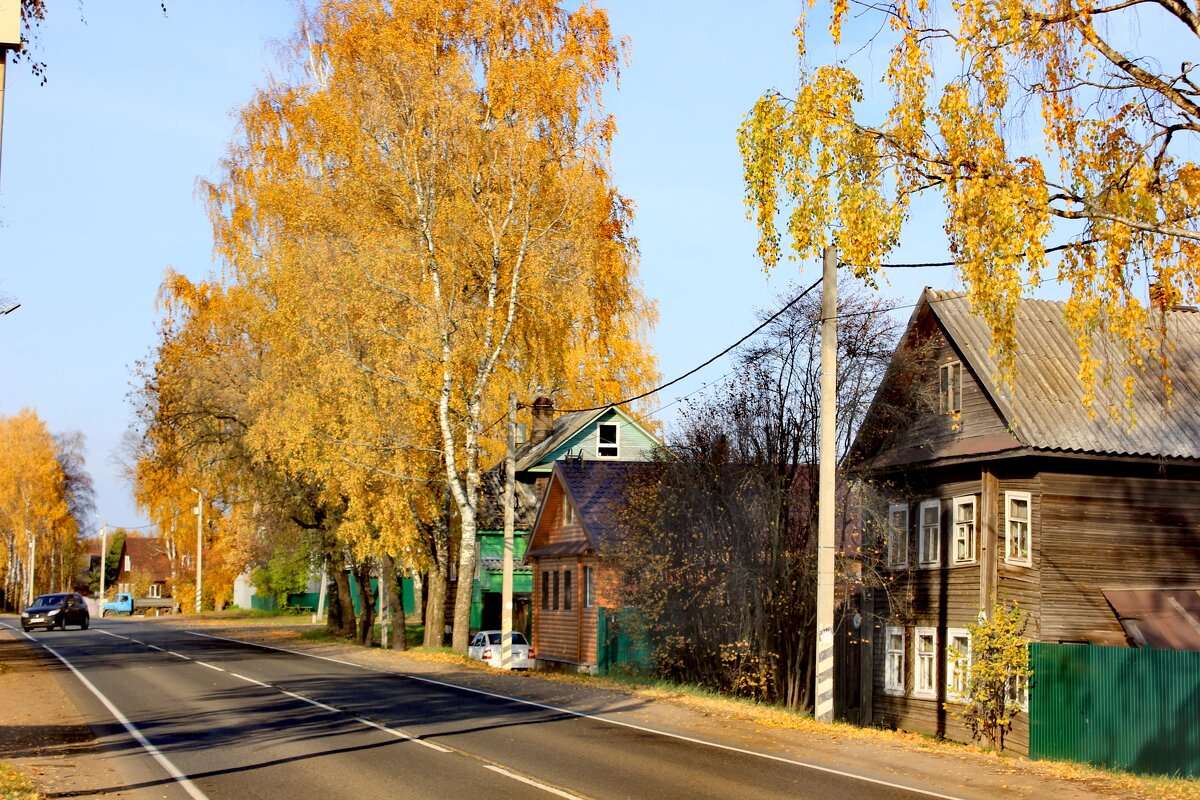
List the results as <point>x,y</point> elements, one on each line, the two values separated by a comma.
<point>694,370</point>
<point>923,265</point>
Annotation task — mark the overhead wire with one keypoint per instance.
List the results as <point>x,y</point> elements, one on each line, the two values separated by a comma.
<point>696,369</point>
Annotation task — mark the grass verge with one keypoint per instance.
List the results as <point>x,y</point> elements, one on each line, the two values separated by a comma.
<point>16,785</point>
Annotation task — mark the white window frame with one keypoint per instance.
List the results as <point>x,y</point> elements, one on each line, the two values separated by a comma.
<point>924,559</point>
<point>616,443</point>
<point>897,560</point>
<point>154,590</point>
<point>925,680</point>
<point>894,657</point>
<point>957,669</point>
<point>1011,529</point>
<point>568,515</point>
<point>950,387</point>
<point>969,528</point>
<point>128,564</point>
<point>1018,693</point>
<point>589,591</point>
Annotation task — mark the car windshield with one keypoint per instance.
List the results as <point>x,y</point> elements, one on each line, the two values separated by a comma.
<point>49,600</point>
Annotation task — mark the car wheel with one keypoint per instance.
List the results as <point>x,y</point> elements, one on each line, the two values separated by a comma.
<point>83,626</point>
<point>25,628</point>
<point>104,613</point>
<point>62,622</point>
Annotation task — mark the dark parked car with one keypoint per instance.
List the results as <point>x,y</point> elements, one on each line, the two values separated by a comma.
<point>57,611</point>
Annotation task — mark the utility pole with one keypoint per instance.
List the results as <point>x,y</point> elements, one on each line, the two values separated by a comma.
<point>103,559</point>
<point>10,39</point>
<point>506,580</point>
<point>826,492</point>
<point>383,615</point>
<point>199,510</point>
<point>32,563</point>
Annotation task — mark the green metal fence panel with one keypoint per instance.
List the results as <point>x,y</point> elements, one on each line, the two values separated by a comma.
<point>1117,707</point>
<point>620,641</point>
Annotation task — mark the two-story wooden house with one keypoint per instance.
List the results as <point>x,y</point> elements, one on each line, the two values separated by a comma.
<point>580,511</point>
<point>1016,492</point>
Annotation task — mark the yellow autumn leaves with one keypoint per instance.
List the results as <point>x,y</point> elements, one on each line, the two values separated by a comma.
<point>415,219</point>
<point>1112,173</point>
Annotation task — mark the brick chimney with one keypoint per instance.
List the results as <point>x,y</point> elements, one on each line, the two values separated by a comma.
<point>543,420</point>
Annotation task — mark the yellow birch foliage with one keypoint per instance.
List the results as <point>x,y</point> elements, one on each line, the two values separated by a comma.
<point>423,211</point>
<point>33,505</point>
<point>1112,174</point>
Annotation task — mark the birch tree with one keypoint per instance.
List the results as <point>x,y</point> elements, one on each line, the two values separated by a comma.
<point>425,194</point>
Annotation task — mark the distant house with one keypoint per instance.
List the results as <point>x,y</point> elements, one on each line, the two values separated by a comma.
<point>605,435</point>
<point>1018,493</point>
<point>144,563</point>
<point>580,510</point>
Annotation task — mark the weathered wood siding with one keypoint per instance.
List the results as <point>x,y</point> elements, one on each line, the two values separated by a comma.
<point>947,596</point>
<point>978,418</point>
<point>1112,532</point>
<point>562,634</point>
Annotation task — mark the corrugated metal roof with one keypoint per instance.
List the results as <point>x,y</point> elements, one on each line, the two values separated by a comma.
<point>1163,619</point>
<point>1046,411</point>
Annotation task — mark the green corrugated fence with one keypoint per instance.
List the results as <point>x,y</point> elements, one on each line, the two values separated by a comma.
<point>1117,707</point>
<point>621,642</point>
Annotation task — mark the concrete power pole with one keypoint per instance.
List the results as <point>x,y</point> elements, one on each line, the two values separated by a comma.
<point>103,559</point>
<point>199,549</point>
<point>506,580</point>
<point>827,494</point>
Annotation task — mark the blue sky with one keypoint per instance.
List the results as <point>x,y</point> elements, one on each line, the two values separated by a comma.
<point>99,169</point>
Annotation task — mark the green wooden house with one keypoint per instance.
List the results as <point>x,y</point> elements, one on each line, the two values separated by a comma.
<point>607,434</point>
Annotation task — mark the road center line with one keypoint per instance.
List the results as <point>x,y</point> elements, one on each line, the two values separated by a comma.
<point>184,782</point>
<point>606,720</point>
<point>210,666</point>
<point>178,655</point>
<point>530,782</point>
<point>117,635</point>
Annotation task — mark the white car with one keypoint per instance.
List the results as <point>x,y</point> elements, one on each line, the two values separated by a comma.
<point>485,647</point>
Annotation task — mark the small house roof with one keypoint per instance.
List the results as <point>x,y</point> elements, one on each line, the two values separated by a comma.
<point>491,503</point>
<point>148,556</point>
<point>599,490</point>
<point>1162,619</point>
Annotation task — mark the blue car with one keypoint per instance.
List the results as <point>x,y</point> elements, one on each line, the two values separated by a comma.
<point>56,611</point>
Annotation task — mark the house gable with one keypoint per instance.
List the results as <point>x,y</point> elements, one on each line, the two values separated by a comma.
<point>554,532</point>
<point>578,435</point>
<point>908,422</point>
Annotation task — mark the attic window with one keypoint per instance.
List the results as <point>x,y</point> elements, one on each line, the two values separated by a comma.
<point>568,512</point>
<point>606,440</point>
<point>950,396</point>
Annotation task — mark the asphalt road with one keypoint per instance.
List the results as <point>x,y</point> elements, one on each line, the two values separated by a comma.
<point>189,715</point>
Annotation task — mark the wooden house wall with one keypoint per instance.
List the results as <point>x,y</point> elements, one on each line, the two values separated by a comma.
<point>566,635</point>
<point>1112,532</point>
<point>948,596</point>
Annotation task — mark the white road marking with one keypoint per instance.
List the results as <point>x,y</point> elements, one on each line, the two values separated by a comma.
<point>210,666</point>
<point>251,680</point>
<point>530,782</point>
<point>184,782</point>
<point>606,720</point>
<point>402,735</point>
<point>117,635</point>
<point>178,655</point>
